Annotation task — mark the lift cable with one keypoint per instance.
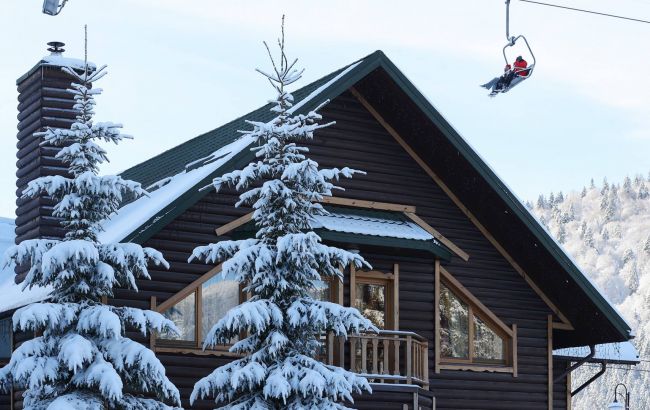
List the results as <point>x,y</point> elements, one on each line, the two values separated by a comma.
<point>587,11</point>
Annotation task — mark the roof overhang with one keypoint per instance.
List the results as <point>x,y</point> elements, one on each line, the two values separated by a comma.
<point>615,353</point>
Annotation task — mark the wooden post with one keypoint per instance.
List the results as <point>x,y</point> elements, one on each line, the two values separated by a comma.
<point>386,344</point>
<point>364,355</point>
<point>396,343</point>
<point>198,318</point>
<point>152,335</point>
<point>436,324</point>
<point>353,286</point>
<point>330,348</point>
<point>409,358</point>
<point>375,356</point>
<point>426,366</point>
<point>514,351</point>
<point>396,296</point>
<point>353,354</point>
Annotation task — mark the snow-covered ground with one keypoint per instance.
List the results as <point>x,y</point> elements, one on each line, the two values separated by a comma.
<point>606,229</point>
<point>11,294</point>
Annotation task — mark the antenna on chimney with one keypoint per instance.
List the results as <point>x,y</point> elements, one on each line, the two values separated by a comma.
<point>56,47</point>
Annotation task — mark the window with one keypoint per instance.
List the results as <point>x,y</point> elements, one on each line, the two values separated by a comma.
<point>375,294</point>
<point>5,340</point>
<point>201,305</point>
<point>470,335</point>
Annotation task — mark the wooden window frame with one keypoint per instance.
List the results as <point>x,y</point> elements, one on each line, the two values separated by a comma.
<point>195,346</point>
<point>390,280</point>
<point>475,309</point>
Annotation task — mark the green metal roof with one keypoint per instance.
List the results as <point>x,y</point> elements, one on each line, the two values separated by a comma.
<point>382,234</point>
<point>174,161</point>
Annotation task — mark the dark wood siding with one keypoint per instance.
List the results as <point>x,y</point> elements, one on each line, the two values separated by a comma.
<point>560,387</point>
<point>358,141</point>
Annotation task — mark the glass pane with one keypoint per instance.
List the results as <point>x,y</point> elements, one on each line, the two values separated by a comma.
<point>321,290</point>
<point>183,314</point>
<point>371,302</point>
<point>220,294</point>
<point>488,346</point>
<point>454,326</point>
<point>5,339</point>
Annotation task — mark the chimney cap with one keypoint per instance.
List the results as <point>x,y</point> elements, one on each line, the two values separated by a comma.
<point>56,47</point>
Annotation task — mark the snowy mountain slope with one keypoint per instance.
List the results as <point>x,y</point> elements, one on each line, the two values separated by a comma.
<point>11,294</point>
<point>606,229</point>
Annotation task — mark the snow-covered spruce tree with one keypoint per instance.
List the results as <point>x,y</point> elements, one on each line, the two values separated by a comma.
<point>82,360</point>
<point>278,268</point>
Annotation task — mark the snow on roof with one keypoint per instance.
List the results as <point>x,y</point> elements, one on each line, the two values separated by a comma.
<point>57,59</point>
<point>13,296</point>
<point>135,214</point>
<point>611,352</point>
<point>370,225</point>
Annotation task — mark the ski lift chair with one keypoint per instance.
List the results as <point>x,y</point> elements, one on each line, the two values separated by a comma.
<point>529,70</point>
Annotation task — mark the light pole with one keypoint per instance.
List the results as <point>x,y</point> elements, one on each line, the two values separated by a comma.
<point>620,406</point>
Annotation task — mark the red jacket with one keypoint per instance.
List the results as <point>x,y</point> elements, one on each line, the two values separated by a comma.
<point>520,67</point>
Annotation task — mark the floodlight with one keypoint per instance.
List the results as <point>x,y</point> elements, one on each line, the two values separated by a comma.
<point>53,7</point>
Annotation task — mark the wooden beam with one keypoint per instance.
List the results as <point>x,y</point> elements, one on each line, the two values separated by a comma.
<point>234,224</point>
<point>549,355</point>
<point>396,296</point>
<point>152,335</point>
<point>476,368</point>
<point>457,286</point>
<point>187,290</point>
<point>515,369</point>
<point>358,203</point>
<point>424,225</point>
<point>458,203</point>
<point>562,326</point>
<point>436,327</point>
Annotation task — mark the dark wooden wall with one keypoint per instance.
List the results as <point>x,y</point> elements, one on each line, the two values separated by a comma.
<point>560,393</point>
<point>358,141</point>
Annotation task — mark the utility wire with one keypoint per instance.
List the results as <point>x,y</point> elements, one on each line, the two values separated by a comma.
<point>586,11</point>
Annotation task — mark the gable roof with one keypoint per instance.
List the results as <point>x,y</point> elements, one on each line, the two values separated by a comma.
<point>185,169</point>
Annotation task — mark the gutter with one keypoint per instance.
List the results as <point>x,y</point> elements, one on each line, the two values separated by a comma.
<point>592,353</point>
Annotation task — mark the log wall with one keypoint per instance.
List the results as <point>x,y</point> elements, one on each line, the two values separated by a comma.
<point>358,141</point>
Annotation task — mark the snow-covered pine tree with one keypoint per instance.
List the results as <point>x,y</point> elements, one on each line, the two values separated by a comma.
<point>278,268</point>
<point>82,359</point>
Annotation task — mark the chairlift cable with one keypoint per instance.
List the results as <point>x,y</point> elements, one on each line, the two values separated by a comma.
<point>586,11</point>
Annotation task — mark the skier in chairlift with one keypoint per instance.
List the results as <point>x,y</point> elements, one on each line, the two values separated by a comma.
<point>503,83</point>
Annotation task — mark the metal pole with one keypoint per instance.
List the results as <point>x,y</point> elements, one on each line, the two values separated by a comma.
<point>508,20</point>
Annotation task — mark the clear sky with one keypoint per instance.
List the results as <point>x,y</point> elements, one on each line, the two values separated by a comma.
<point>179,68</point>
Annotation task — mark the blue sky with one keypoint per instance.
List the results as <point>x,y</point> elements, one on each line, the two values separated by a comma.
<point>180,68</point>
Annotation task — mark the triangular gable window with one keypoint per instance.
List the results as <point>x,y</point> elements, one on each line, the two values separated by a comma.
<point>470,335</point>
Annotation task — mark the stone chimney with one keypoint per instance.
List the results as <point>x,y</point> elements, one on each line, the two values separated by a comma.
<point>42,102</point>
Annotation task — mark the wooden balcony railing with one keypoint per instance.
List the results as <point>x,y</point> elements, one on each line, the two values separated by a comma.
<point>384,357</point>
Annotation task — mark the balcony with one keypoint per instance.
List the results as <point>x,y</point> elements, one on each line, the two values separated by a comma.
<point>389,357</point>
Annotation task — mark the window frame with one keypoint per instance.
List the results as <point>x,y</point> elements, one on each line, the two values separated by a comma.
<point>5,360</point>
<point>475,309</point>
<point>195,346</point>
<point>388,279</point>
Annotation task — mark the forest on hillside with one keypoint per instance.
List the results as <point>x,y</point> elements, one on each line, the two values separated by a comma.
<point>606,230</point>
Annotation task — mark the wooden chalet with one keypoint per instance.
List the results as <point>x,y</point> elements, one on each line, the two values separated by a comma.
<point>471,293</point>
